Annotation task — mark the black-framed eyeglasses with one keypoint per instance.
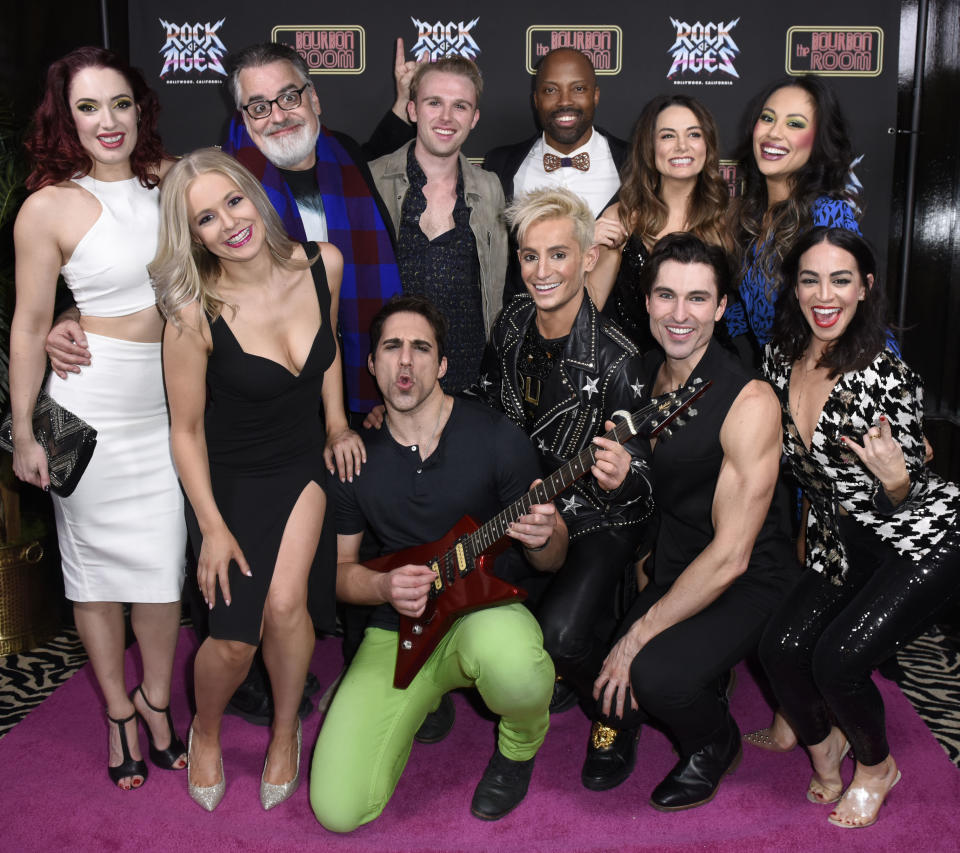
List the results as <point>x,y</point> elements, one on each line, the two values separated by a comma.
<point>285,100</point>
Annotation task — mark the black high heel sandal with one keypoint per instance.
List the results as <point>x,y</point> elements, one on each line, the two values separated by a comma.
<point>165,759</point>
<point>129,767</point>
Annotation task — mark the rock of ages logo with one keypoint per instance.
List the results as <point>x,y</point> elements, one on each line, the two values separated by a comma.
<point>438,39</point>
<point>192,51</point>
<point>702,53</point>
<point>835,51</point>
<point>327,49</point>
<point>603,44</point>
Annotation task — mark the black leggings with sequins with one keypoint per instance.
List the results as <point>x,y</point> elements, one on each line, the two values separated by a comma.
<point>821,646</point>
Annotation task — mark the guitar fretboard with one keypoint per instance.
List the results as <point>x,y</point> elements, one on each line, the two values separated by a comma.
<point>564,477</point>
<point>648,420</point>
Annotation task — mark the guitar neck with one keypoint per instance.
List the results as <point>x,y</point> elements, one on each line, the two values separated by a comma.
<point>650,420</point>
<point>544,492</point>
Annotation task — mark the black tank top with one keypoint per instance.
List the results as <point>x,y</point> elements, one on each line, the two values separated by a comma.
<point>686,466</point>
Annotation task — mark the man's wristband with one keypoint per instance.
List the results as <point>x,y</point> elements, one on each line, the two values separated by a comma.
<point>539,547</point>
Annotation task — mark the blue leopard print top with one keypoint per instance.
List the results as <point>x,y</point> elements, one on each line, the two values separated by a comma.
<point>754,313</point>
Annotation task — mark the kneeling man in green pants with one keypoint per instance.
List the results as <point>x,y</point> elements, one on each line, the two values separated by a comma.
<point>436,460</point>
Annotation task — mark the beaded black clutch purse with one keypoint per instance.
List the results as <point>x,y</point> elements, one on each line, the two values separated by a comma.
<point>68,440</point>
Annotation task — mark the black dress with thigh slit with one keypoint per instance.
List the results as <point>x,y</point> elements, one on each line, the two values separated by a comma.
<point>265,439</point>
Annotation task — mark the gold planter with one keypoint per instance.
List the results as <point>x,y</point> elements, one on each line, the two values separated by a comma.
<point>31,593</point>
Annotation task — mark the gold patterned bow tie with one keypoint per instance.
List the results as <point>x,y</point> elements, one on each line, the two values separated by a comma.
<point>551,162</point>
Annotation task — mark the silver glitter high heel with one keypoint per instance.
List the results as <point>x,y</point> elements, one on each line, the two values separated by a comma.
<point>272,795</point>
<point>209,796</point>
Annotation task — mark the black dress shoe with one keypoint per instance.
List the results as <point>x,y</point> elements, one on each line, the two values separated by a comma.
<point>306,706</point>
<point>611,755</point>
<point>252,704</point>
<point>255,706</point>
<point>694,780</point>
<point>564,697</point>
<point>501,789</point>
<point>438,723</point>
<point>311,687</point>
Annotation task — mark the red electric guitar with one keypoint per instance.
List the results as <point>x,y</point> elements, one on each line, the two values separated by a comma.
<point>464,579</point>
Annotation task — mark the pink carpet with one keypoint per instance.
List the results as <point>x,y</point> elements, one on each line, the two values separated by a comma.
<point>56,795</point>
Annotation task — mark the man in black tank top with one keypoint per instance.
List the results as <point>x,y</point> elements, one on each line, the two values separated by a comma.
<point>722,558</point>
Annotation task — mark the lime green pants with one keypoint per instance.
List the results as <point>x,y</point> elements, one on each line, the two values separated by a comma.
<point>368,733</point>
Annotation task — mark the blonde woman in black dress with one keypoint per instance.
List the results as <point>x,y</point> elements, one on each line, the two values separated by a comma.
<point>249,354</point>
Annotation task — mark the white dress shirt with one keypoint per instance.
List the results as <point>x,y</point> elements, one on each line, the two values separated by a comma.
<point>596,186</point>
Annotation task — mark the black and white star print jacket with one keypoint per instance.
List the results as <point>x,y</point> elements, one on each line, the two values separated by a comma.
<point>599,374</point>
<point>831,476</point>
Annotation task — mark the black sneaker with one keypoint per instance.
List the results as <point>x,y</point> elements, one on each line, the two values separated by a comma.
<point>438,723</point>
<point>502,787</point>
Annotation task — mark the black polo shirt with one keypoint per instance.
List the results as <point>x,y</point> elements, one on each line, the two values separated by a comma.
<point>482,464</point>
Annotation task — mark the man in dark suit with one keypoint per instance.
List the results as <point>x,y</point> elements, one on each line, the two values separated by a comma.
<point>570,152</point>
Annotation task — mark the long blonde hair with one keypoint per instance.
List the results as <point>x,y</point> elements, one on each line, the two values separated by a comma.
<point>184,270</point>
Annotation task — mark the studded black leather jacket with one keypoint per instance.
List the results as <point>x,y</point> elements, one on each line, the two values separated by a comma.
<point>599,374</point>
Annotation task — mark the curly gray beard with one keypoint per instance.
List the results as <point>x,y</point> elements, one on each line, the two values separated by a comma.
<point>288,150</point>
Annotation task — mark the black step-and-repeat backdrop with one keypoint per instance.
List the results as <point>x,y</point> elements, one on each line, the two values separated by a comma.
<point>721,52</point>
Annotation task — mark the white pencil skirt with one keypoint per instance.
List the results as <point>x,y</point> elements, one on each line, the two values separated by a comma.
<point>122,533</point>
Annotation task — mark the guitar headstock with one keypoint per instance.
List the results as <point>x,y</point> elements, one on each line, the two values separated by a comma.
<point>663,410</point>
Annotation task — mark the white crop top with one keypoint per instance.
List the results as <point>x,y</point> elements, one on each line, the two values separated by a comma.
<point>107,273</point>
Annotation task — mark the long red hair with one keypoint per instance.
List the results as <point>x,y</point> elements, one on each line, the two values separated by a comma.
<point>52,140</point>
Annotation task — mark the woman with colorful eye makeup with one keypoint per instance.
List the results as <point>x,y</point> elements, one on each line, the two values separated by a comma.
<point>796,165</point>
<point>93,216</point>
<point>671,183</point>
<point>882,535</point>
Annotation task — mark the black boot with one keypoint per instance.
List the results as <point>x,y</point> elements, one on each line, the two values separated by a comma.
<point>503,786</point>
<point>438,723</point>
<point>564,697</point>
<point>694,779</point>
<point>611,755</point>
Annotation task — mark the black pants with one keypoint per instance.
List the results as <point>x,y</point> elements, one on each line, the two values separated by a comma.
<point>677,677</point>
<point>825,640</point>
<point>577,611</point>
